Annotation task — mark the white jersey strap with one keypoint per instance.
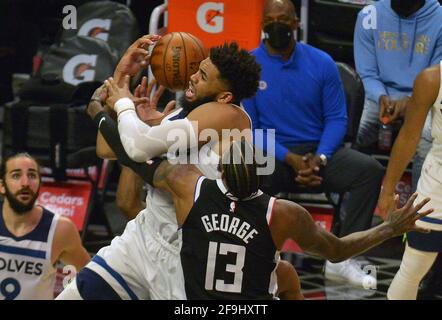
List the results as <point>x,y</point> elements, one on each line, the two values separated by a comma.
<point>196,194</point>
<point>270,208</point>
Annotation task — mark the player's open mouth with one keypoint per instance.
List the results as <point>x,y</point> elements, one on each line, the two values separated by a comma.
<point>190,92</point>
<point>24,196</point>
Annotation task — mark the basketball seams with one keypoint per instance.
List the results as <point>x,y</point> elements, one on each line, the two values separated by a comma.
<point>170,64</point>
<point>185,56</point>
<point>165,53</point>
<point>203,55</point>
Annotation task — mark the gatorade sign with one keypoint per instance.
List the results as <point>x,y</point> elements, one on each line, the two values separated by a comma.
<point>210,17</point>
<point>215,22</point>
<point>96,28</point>
<point>80,68</point>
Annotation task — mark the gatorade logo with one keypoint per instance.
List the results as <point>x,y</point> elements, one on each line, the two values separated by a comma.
<point>210,17</point>
<point>96,28</point>
<point>80,69</point>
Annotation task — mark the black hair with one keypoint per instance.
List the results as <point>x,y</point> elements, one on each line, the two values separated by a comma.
<point>14,156</point>
<point>238,68</point>
<point>239,169</point>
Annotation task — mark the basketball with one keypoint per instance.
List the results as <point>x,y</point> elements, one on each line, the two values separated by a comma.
<point>175,57</point>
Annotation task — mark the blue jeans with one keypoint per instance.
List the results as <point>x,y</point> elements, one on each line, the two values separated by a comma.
<point>368,134</point>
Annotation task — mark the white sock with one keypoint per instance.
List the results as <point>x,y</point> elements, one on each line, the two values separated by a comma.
<point>414,266</point>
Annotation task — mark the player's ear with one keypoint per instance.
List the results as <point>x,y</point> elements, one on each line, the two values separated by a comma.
<point>2,187</point>
<point>224,97</point>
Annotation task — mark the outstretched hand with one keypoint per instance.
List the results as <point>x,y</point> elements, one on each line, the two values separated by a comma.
<point>148,111</point>
<point>403,220</point>
<point>135,58</point>
<point>116,92</point>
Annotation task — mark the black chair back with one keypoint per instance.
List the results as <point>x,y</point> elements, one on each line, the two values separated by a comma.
<point>354,96</point>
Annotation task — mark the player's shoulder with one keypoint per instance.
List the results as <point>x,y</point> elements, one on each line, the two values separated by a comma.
<point>215,109</point>
<point>287,211</point>
<point>65,228</point>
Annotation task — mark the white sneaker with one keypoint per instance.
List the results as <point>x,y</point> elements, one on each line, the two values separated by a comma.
<point>349,271</point>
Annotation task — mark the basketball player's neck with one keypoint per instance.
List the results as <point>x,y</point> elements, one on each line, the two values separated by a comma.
<point>189,106</point>
<point>21,224</point>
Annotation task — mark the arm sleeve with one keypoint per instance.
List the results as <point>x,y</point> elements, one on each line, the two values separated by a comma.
<point>262,137</point>
<point>334,110</point>
<point>109,130</point>
<point>366,61</point>
<point>142,142</point>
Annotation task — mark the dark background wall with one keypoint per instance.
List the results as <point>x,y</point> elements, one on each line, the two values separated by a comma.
<point>27,24</point>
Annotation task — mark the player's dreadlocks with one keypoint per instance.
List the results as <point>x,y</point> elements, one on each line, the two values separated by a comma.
<point>239,169</point>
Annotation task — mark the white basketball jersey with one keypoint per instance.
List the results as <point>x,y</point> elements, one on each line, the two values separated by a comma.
<point>26,270</point>
<point>436,130</point>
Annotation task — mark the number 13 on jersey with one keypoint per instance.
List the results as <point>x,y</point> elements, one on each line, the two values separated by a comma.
<point>216,249</point>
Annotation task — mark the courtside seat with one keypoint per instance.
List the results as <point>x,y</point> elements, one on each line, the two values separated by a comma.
<point>354,95</point>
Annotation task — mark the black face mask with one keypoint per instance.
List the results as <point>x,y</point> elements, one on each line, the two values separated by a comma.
<point>278,35</point>
<point>406,8</point>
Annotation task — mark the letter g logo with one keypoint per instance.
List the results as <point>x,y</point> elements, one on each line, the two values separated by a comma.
<point>80,69</point>
<point>96,28</point>
<point>210,17</point>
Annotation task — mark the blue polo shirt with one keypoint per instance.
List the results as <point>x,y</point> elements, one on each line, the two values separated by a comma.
<point>302,98</point>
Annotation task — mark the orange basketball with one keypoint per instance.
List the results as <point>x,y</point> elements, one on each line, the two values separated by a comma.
<point>175,57</point>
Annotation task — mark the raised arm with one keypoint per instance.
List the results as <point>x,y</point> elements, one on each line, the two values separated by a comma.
<point>135,58</point>
<point>179,180</point>
<point>143,142</point>
<point>133,61</point>
<point>425,91</point>
<point>292,221</point>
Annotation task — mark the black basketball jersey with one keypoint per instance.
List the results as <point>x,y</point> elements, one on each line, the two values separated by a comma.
<point>228,251</point>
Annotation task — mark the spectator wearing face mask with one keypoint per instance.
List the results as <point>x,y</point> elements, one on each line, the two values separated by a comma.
<point>393,42</point>
<point>302,98</point>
